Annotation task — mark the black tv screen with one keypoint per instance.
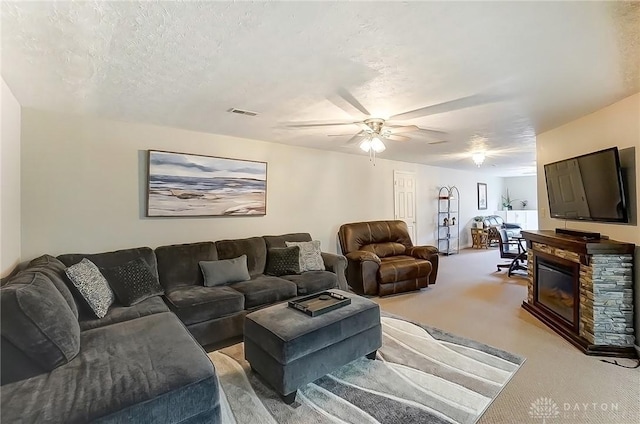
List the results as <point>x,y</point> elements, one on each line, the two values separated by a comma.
<point>587,187</point>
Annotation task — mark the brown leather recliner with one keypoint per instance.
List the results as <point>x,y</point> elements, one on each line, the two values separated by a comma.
<point>382,260</point>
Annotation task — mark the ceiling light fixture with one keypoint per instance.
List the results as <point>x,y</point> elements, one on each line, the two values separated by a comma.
<point>366,145</point>
<point>478,158</point>
<point>373,144</point>
<point>377,145</point>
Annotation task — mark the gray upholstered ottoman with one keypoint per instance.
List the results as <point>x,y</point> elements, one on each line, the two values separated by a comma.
<point>290,349</point>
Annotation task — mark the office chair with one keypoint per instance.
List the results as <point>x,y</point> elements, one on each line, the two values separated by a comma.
<point>507,252</point>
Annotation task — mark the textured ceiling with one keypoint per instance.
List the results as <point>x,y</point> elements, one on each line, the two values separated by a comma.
<point>185,64</point>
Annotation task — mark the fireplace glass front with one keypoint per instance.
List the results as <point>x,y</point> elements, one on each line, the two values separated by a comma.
<point>555,288</point>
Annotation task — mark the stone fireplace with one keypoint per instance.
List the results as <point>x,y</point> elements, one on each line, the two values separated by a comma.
<point>583,290</point>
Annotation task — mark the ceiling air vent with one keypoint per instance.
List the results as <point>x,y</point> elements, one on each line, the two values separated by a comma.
<point>438,142</point>
<point>242,112</point>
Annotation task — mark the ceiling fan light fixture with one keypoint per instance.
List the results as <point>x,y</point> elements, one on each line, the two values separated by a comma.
<point>377,145</point>
<point>366,145</point>
<point>478,158</point>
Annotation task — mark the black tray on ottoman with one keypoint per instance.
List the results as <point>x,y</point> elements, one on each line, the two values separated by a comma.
<point>319,303</point>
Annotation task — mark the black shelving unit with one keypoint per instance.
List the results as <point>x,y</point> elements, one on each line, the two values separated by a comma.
<point>449,220</point>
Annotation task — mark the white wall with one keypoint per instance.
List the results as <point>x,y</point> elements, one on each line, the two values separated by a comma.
<point>83,187</point>
<point>522,188</point>
<point>10,178</point>
<point>616,125</point>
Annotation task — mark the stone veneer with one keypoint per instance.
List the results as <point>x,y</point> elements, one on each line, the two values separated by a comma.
<point>606,295</point>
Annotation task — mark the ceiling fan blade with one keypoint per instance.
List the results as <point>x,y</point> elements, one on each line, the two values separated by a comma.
<point>308,124</point>
<point>402,129</point>
<point>435,133</point>
<point>354,139</point>
<point>438,142</point>
<point>396,137</point>
<point>351,101</point>
<point>366,128</point>
<point>451,105</point>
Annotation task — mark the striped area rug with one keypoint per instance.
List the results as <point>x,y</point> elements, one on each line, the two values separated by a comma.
<point>421,375</point>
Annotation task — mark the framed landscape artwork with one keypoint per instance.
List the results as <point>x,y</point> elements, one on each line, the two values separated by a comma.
<point>482,196</point>
<point>182,184</point>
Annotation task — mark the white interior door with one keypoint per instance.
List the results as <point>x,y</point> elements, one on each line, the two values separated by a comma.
<point>404,194</point>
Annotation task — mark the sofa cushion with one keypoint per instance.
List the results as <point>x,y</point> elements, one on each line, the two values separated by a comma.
<point>106,260</point>
<point>92,286</point>
<point>313,281</point>
<point>15,365</point>
<point>310,255</point>
<point>280,241</point>
<point>178,263</point>
<point>225,271</point>
<point>283,261</point>
<point>254,247</point>
<point>196,304</point>
<point>147,370</point>
<point>132,282</point>
<point>398,268</point>
<point>37,320</point>
<point>120,313</point>
<point>110,259</point>
<point>265,290</point>
<point>53,269</point>
<point>383,250</point>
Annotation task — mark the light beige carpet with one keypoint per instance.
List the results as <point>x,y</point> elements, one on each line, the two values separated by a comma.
<point>557,382</point>
<point>421,375</point>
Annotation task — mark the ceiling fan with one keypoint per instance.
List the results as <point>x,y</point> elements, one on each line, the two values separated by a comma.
<point>374,130</point>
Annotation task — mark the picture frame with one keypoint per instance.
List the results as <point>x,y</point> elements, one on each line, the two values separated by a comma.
<point>187,185</point>
<point>482,196</point>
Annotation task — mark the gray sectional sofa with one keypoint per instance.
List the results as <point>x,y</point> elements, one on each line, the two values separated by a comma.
<point>215,315</point>
<point>59,363</point>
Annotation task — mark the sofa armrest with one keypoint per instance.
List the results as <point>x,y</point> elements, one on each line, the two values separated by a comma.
<point>422,252</point>
<point>362,255</point>
<point>338,265</point>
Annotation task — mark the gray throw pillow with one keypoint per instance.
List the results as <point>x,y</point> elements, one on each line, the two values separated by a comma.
<point>37,320</point>
<point>226,271</point>
<point>132,281</point>
<point>283,261</point>
<point>92,286</point>
<point>310,255</point>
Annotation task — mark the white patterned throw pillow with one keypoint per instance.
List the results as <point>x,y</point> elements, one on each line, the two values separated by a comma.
<point>310,256</point>
<point>87,278</point>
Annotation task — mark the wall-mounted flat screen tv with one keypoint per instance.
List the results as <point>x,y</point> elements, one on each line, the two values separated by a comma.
<point>587,187</point>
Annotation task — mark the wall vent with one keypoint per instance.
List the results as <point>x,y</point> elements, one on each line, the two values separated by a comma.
<point>242,112</point>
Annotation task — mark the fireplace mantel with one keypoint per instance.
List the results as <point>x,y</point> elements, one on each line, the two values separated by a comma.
<point>577,244</point>
<point>603,295</point>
